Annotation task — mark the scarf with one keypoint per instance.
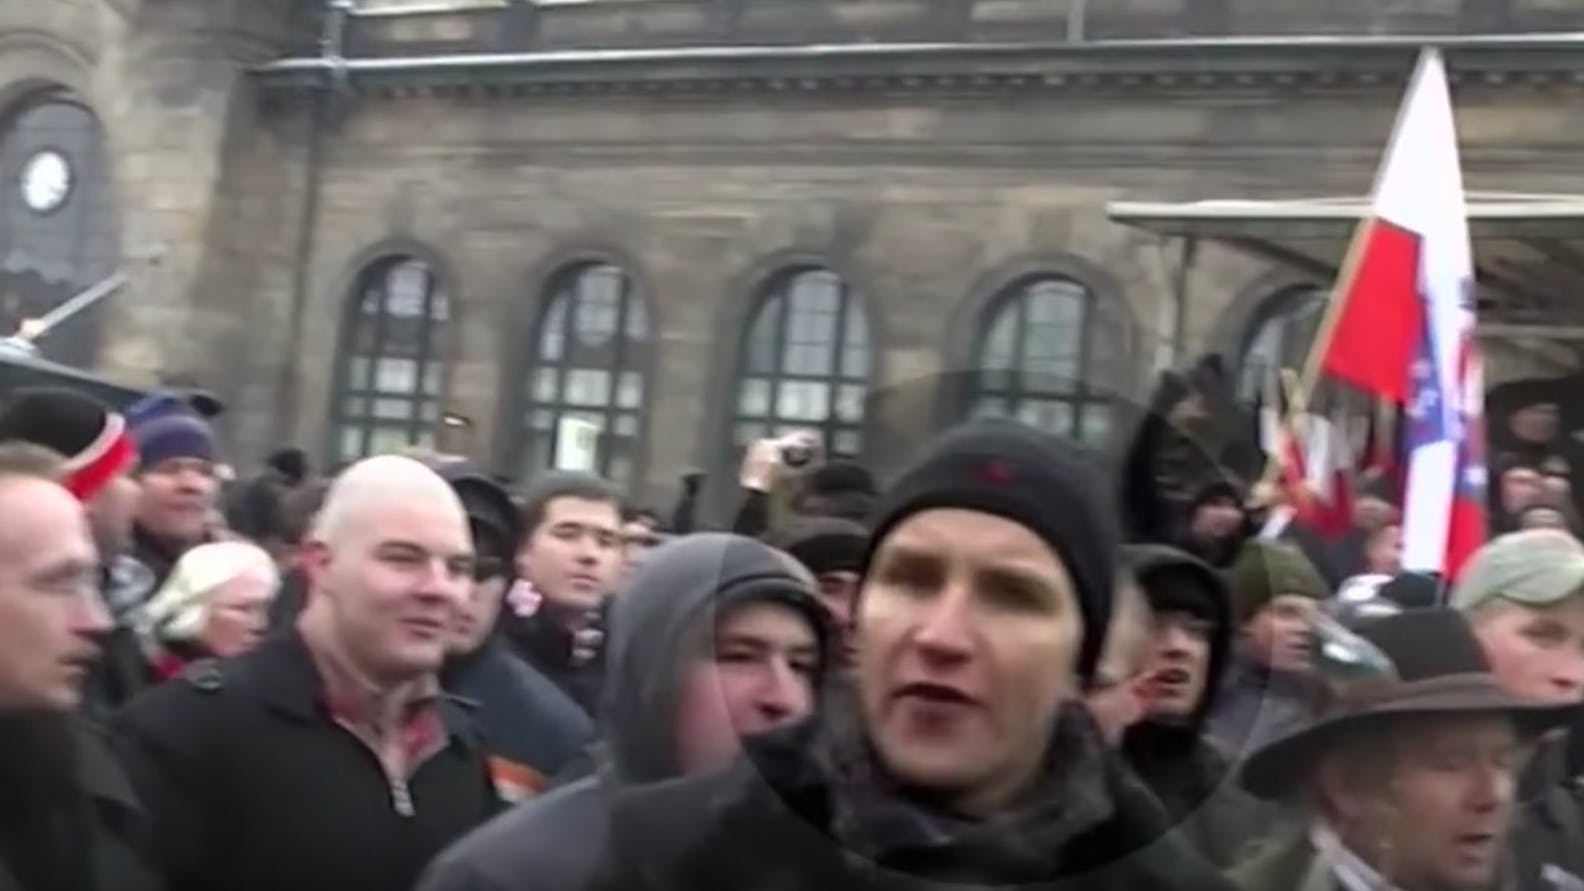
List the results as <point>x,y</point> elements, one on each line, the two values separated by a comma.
<point>881,823</point>
<point>1351,872</point>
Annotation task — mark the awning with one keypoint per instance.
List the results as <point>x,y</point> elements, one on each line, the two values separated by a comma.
<point>1529,248</point>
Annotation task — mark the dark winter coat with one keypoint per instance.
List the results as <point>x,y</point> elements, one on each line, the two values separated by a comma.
<point>556,841</point>
<point>548,646</point>
<point>798,814</point>
<point>253,787</point>
<point>111,838</point>
<point>1191,775</point>
<point>1548,833</point>
<point>531,729</point>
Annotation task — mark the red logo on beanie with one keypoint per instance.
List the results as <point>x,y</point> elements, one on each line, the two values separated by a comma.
<point>998,473</point>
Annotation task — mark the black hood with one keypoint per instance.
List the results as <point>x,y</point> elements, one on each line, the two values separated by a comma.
<point>1174,579</point>
<point>657,621</point>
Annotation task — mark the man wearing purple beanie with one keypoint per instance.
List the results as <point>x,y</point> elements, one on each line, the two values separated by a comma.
<point>176,465</point>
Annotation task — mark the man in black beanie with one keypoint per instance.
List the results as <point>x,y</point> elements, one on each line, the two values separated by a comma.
<point>832,549</point>
<point>964,755</point>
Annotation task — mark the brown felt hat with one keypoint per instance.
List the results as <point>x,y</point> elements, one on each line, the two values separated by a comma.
<point>1436,667</point>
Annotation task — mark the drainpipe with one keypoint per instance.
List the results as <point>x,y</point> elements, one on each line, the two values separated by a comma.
<point>1077,17</point>
<point>329,92</point>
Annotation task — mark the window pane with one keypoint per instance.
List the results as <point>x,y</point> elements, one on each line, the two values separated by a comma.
<point>631,392</point>
<point>625,426</point>
<point>1096,429</point>
<point>598,296</point>
<point>351,443</point>
<point>552,331</point>
<point>396,376</point>
<point>588,386</point>
<point>404,294</point>
<point>846,444</point>
<point>1046,414</point>
<point>850,402</point>
<point>387,440</point>
<point>547,382</point>
<point>803,401</point>
<point>542,420</point>
<point>393,409</point>
<point>433,374</point>
<point>753,398</point>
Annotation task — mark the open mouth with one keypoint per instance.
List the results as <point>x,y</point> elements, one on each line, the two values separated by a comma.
<point>425,627</point>
<point>933,694</point>
<point>1171,677</point>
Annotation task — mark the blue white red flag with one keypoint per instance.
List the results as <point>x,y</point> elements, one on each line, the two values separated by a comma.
<point>1403,327</point>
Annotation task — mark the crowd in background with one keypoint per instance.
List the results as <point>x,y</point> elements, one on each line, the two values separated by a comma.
<point>1003,667</point>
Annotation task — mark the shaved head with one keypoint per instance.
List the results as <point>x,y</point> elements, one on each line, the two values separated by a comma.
<point>390,567</point>
<point>369,487</point>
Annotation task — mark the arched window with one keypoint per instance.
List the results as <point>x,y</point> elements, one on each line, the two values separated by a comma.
<point>582,407</point>
<point>59,225</point>
<point>1280,337</point>
<point>1051,355</point>
<point>393,359</point>
<point>805,363</point>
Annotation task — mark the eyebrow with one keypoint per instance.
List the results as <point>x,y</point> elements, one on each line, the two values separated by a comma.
<point>64,571</point>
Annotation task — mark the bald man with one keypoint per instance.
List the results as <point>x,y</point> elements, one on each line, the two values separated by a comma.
<point>327,758</point>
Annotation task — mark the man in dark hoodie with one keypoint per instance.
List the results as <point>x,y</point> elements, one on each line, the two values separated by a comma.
<point>717,636</point>
<point>1192,641</point>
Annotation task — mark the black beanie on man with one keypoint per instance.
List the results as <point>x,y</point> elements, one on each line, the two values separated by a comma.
<point>1052,487</point>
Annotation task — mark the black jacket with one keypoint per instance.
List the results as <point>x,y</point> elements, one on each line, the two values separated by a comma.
<point>771,824</point>
<point>110,838</point>
<point>251,785</point>
<point>551,649</point>
<point>1190,775</point>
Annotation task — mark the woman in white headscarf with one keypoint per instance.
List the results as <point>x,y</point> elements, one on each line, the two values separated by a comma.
<point>215,604</point>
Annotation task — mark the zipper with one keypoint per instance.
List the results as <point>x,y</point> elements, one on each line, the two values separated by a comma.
<point>401,798</point>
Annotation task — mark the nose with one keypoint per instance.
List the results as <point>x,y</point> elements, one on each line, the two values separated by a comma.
<point>1567,677</point>
<point>945,635</point>
<point>90,617</point>
<point>1492,787</point>
<point>782,695</point>
<point>1173,643</point>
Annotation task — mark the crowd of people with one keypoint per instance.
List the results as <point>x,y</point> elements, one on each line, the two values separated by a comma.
<point>996,669</point>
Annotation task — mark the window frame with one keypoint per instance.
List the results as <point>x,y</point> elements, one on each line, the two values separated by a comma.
<point>774,292</point>
<point>434,349</point>
<point>632,355</point>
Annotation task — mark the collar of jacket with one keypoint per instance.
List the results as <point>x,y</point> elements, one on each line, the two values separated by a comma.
<point>99,772</point>
<point>876,819</point>
<point>288,681</point>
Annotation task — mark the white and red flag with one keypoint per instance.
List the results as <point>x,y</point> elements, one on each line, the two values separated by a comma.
<point>1402,326</point>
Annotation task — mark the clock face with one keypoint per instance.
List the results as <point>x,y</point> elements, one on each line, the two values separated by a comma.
<point>46,181</point>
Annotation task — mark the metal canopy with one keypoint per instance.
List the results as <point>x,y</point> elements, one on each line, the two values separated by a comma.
<point>1529,248</point>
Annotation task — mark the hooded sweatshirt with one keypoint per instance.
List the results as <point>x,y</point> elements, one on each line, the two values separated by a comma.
<point>1188,773</point>
<point>658,624</point>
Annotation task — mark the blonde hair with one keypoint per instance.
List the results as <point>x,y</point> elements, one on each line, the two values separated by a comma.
<point>179,611</point>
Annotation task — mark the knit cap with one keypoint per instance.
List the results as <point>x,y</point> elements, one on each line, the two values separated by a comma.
<point>167,427</point>
<point>92,438</point>
<point>1266,570</point>
<point>1052,487</point>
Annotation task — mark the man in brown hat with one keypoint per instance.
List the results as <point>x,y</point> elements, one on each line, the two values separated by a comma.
<point>1409,773</point>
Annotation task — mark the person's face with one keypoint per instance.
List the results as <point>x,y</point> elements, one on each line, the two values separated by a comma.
<point>1217,519</point>
<point>574,555</point>
<point>177,498</point>
<point>1279,634</point>
<point>1371,513</point>
<point>1536,423</point>
<point>476,620</point>
<point>1181,665</point>
<point>838,591</point>
<point>1537,653</point>
<point>395,583</point>
<point>759,675</point>
<point>967,634</point>
<point>1558,486</point>
<point>238,615</point>
<point>1440,819</point>
<point>1384,555</point>
<point>111,514</point>
<point>1520,487</point>
<point>51,615</point>
<point>638,539</point>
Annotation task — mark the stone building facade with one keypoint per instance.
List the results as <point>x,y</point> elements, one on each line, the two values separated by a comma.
<point>679,223</point>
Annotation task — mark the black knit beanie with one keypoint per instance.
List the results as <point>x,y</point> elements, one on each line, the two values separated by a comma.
<point>1053,487</point>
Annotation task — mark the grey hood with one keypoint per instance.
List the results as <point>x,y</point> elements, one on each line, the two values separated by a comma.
<point>660,618</point>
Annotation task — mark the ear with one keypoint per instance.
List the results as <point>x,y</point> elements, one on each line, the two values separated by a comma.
<point>314,558</point>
